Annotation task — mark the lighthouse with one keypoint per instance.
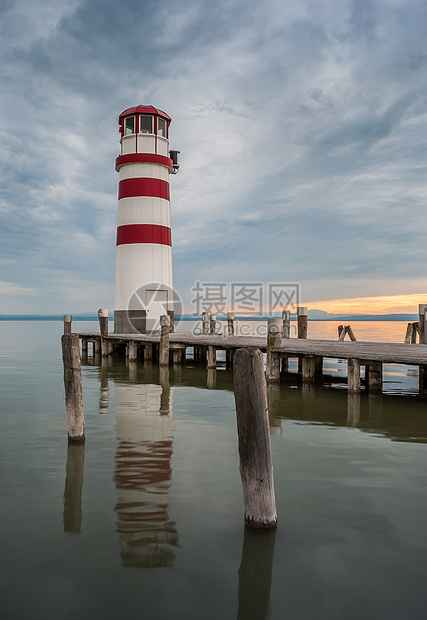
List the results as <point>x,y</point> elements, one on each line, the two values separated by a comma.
<point>143,284</point>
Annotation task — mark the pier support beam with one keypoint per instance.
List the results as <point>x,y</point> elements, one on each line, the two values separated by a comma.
<point>308,369</point>
<point>274,341</point>
<point>256,467</point>
<point>229,354</point>
<point>148,352</point>
<point>133,351</point>
<point>211,357</point>
<point>353,372</point>
<point>374,372</point>
<point>73,387</point>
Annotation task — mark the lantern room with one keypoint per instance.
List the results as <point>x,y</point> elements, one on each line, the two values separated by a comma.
<point>144,129</point>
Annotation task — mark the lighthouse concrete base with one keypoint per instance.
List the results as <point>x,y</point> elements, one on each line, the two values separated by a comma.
<point>130,322</point>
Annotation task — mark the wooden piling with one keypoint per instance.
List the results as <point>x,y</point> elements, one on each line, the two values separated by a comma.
<point>103,321</point>
<point>73,387</point>
<point>211,357</point>
<point>422,308</point>
<point>374,370</point>
<point>286,324</point>
<point>205,323</point>
<point>230,323</point>
<point>353,373</point>
<point>302,322</point>
<point>212,324</point>
<point>133,351</point>
<point>67,323</point>
<point>308,369</point>
<point>256,467</point>
<point>422,380</point>
<point>274,340</point>
<point>171,315</point>
<point>164,341</point>
<point>148,352</point>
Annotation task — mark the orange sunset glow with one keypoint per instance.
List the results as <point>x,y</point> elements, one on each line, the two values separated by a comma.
<point>387,304</point>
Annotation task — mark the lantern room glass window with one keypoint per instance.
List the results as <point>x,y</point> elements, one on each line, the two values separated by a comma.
<point>161,127</point>
<point>146,124</point>
<point>129,125</point>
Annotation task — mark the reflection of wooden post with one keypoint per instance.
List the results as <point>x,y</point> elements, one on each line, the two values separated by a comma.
<point>230,323</point>
<point>103,321</point>
<point>211,378</point>
<point>353,409</point>
<point>274,341</point>
<point>67,323</point>
<point>164,341</point>
<point>255,574</point>
<point>166,390</point>
<point>205,323</point>
<point>256,467</point>
<point>73,488</point>
<point>73,387</point>
<point>302,322</point>
<point>353,372</point>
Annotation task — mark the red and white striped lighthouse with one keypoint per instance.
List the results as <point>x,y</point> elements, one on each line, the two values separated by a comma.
<point>143,288</point>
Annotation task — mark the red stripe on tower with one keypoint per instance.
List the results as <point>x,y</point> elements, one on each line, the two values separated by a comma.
<point>129,188</point>
<point>143,233</point>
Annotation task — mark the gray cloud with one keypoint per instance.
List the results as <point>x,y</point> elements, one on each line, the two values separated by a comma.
<point>300,128</point>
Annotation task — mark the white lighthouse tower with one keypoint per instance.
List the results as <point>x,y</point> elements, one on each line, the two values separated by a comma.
<point>143,288</point>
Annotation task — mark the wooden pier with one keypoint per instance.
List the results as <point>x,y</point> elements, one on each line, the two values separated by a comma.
<point>371,355</point>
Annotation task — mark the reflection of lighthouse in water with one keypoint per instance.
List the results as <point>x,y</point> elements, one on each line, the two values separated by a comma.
<point>143,474</point>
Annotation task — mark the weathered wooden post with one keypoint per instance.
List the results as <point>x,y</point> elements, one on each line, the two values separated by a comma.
<point>302,322</point>
<point>73,387</point>
<point>212,328</point>
<point>148,352</point>
<point>286,324</point>
<point>229,354</point>
<point>171,315</point>
<point>353,373</point>
<point>422,378</point>
<point>67,323</point>
<point>422,324</point>
<point>286,333</point>
<point>205,323</point>
<point>230,323</point>
<point>256,467</point>
<point>274,341</point>
<point>164,341</point>
<point>103,321</point>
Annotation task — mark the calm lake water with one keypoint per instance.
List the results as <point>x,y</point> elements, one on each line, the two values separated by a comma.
<point>146,520</point>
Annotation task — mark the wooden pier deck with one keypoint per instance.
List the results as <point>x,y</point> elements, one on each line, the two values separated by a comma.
<point>310,352</point>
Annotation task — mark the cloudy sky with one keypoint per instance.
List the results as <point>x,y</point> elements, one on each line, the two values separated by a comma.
<point>302,128</point>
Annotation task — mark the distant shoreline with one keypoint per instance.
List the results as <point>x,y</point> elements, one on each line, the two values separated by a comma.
<point>189,317</point>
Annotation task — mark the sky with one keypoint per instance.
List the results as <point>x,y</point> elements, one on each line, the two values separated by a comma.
<point>302,128</point>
